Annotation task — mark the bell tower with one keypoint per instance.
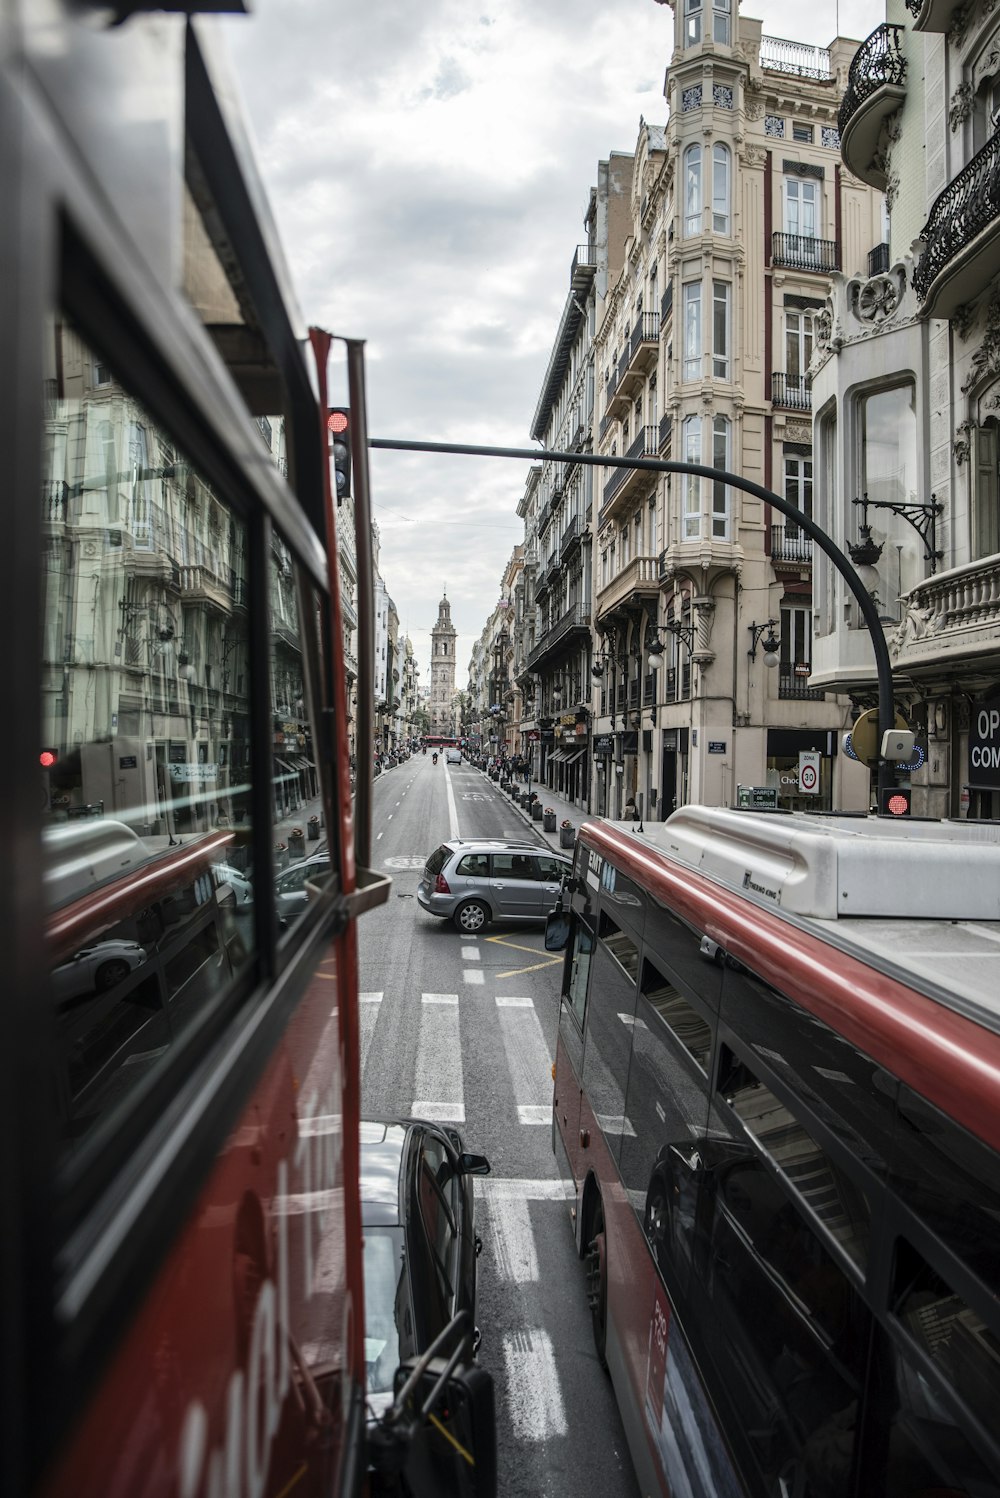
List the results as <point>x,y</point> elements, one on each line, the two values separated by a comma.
<point>443,637</point>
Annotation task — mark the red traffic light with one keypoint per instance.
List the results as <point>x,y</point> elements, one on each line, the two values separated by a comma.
<point>337,422</point>
<point>47,758</point>
<point>894,801</point>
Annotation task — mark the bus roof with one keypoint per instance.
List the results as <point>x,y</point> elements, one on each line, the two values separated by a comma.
<point>833,867</point>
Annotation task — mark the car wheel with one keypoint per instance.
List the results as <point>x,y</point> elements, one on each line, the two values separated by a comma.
<point>110,974</point>
<point>472,916</point>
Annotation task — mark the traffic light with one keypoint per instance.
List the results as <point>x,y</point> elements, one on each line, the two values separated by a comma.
<point>338,424</point>
<point>894,801</point>
<point>47,758</point>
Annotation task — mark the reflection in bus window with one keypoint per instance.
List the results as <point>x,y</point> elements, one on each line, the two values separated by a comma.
<point>837,1202</point>
<point>621,947</point>
<point>146,759</point>
<point>608,1041</point>
<point>579,975</point>
<point>685,1022</point>
<point>951,1332</point>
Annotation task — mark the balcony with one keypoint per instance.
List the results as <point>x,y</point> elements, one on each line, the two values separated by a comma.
<point>570,628</point>
<point>200,585</point>
<point>667,302</point>
<point>791,392</point>
<point>876,87</point>
<point>666,428</point>
<point>802,252</point>
<point>624,480</point>
<point>638,579</point>
<point>571,539</point>
<point>792,686</point>
<point>583,268</point>
<point>544,516</point>
<point>959,617</point>
<point>789,543</point>
<point>643,344</point>
<point>878,260</point>
<point>932,15</point>
<point>780,56</point>
<point>962,236</point>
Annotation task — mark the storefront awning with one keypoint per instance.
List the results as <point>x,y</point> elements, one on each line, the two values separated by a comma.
<point>284,765</point>
<point>556,757</point>
<point>572,755</point>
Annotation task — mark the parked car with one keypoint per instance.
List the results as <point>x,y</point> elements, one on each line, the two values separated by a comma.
<point>240,883</point>
<point>291,895</point>
<point>453,756</point>
<point>97,968</point>
<point>420,1244</point>
<point>477,881</point>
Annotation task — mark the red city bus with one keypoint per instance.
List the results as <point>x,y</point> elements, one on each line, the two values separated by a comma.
<point>777,1098</point>
<point>182,1286</point>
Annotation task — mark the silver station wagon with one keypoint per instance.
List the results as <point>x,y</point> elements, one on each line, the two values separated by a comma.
<point>476,881</point>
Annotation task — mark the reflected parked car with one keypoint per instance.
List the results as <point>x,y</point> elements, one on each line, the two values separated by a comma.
<point>97,968</point>
<point>475,882</point>
<point>420,1244</point>
<point>291,895</point>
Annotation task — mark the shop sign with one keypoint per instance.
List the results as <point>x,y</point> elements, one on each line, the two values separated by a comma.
<point>604,744</point>
<point>984,745</point>
<point>194,772</point>
<point>757,797</point>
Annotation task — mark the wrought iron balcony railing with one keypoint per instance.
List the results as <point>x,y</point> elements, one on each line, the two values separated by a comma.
<point>791,392</point>
<point>789,543</point>
<point>792,686</point>
<point>966,206</point>
<point>878,260</point>
<point>802,252</point>
<point>877,61</point>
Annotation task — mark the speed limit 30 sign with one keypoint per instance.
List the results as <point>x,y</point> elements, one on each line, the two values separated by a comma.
<point>809,772</point>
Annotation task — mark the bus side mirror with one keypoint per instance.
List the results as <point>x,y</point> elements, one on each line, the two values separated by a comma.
<point>557,931</point>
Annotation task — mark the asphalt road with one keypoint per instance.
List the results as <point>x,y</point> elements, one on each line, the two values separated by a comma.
<point>463,1029</point>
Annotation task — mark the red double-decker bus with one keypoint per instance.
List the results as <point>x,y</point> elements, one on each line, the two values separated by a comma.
<point>182,1276</point>
<point>777,1098</point>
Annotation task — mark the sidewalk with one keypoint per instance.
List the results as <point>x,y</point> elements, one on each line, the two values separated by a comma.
<point>565,811</point>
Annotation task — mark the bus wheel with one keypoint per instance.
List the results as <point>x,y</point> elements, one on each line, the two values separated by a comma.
<point>597,1286</point>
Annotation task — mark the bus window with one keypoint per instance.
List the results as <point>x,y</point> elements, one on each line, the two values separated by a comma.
<point>579,975</point>
<point>837,1202</point>
<point>145,722</point>
<point>667,1106</point>
<point>951,1182</point>
<point>608,1040</point>
<point>783,1330</point>
<point>951,1332</point>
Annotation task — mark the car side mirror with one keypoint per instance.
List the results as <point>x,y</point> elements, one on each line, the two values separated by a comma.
<point>557,929</point>
<point>473,1165</point>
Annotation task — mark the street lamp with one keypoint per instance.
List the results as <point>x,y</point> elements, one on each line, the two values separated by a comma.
<point>770,645</point>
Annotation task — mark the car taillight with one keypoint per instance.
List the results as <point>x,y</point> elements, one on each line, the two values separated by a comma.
<point>441,886</point>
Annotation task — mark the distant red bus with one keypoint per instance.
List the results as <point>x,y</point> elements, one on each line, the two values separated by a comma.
<point>443,741</point>
<point>777,1098</point>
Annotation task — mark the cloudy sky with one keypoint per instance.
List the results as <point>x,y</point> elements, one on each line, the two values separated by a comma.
<point>429,166</point>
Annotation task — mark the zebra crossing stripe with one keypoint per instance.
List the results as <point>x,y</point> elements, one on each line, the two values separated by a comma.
<point>534,1396</point>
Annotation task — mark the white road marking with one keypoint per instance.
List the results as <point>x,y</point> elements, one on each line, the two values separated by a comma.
<point>474,975</point>
<point>512,1240</point>
<point>615,1123</point>
<point>369,998</point>
<point>534,1113</point>
<point>471,954</point>
<point>377,836</point>
<point>370,1011</point>
<point>320,1124</point>
<point>523,1188</point>
<point>439,1092</point>
<point>528,1061</point>
<point>452,808</point>
<point>514,1001</point>
<point>534,1396</point>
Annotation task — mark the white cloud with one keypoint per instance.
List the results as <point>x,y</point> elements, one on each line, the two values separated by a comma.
<point>429,167</point>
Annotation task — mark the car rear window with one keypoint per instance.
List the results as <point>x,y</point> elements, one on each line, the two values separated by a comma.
<point>435,863</point>
<point>476,865</point>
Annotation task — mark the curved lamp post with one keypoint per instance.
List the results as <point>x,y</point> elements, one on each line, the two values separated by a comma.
<point>869,612</point>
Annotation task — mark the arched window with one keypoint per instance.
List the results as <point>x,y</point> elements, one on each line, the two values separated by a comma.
<point>721,443</point>
<point>721,188</point>
<point>692,191</point>
<point>691,448</point>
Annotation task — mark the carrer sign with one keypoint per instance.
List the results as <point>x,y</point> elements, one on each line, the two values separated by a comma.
<point>984,744</point>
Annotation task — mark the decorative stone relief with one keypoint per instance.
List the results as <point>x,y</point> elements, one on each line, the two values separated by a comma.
<point>962,319</point>
<point>960,107</point>
<point>959,24</point>
<point>876,299</point>
<point>986,359</point>
<point>774,125</point>
<point>830,136</point>
<point>960,446</point>
<point>753,98</point>
<point>704,614</point>
<point>691,98</point>
<point>891,189</point>
<point>795,433</point>
<point>753,156</point>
